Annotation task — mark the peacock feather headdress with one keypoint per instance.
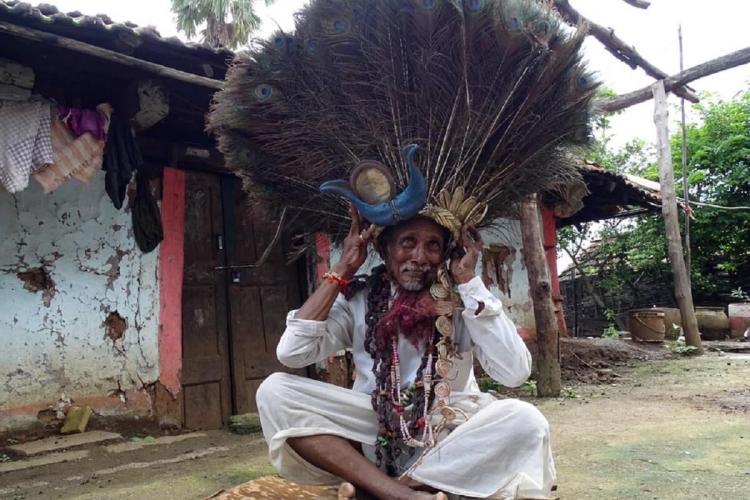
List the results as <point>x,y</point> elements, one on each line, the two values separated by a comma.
<point>492,92</point>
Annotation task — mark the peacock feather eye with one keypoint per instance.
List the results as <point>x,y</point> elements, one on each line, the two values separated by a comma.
<point>474,5</point>
<point>541,27</point>
<point>582,81</point>
<point>514,24</point>
<point>263,91</point>
<point>279,41</point>
<point>429,4</point>
<point>311,47</point>
<point>339,26</point>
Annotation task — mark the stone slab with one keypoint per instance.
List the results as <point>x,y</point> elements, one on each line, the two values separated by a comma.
<point>55,458</point>
<point>137,445</point>
<point>56,443</point>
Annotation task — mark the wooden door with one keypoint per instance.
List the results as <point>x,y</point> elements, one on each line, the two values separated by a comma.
<point>259,297</point>
<point>205,340</point>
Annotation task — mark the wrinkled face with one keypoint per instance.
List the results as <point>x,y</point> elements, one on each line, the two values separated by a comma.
<point>414,250</point>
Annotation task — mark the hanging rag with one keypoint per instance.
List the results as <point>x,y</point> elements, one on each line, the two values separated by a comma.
<point>80,121</point>
<point>121,158</point>
<point>147,227</point>
<point>25,142</point>
<point>78,157</point>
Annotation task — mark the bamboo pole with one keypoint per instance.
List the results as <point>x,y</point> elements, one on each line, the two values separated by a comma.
<point>685,187</point>
<point>671,220</point>
<point>548,377</point>
<point>108,55</point>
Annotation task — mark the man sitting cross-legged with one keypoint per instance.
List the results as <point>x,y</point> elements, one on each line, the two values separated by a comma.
<point>389,436</point>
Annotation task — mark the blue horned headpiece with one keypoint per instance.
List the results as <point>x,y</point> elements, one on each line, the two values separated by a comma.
<point>394,209</point>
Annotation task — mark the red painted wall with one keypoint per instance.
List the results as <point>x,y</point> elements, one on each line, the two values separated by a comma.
<point>171,263</point>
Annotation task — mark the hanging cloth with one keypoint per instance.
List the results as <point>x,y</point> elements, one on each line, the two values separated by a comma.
<point>25,141</point>
<point>80,121</point>
<point>147,227</point>
<point>121,158</point>
<point>78,157</point>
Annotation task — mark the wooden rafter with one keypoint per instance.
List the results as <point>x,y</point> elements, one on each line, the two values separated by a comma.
<point>617,47</point>
<point>728,61</point>
<point>109,55</point>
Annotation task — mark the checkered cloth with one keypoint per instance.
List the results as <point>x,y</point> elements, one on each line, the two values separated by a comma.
<point>77,157</point>
<point>25,141</point>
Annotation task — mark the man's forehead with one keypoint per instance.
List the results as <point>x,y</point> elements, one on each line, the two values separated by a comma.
<point>419,225</point>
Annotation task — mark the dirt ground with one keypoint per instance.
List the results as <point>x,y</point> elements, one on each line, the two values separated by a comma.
<point>636,424</point>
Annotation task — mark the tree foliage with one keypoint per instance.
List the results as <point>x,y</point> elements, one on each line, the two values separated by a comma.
<point>228,23</point>
<point>719,173</point>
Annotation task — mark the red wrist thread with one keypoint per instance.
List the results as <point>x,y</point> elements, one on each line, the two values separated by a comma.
<point>335,278</point>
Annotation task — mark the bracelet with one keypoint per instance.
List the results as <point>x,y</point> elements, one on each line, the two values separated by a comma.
<point>332,278</point>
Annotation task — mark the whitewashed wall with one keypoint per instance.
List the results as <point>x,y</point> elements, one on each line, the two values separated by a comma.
<point>56,342</point>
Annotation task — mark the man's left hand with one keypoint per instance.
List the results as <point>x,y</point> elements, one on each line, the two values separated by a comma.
<point>463,264</point>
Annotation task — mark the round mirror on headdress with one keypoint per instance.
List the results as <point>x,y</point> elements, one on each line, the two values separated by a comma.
<point>372,182</point>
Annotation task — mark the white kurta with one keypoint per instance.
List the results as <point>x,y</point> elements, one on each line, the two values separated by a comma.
<point>501,451</point>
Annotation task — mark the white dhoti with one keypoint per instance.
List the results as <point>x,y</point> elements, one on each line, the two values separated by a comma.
<point>502,451</point>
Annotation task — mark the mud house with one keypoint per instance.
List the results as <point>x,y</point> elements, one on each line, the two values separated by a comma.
<point>85,312</point>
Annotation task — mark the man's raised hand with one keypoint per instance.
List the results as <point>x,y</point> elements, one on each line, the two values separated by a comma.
<point>354,252</point>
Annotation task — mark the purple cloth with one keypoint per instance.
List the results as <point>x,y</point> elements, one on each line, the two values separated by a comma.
<point>80,121</point>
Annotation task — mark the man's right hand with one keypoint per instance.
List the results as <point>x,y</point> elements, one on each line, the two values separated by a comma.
<point>354,252</point>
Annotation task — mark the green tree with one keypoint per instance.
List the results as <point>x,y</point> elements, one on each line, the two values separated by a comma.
<point>719,166</point>
<point>228,23</point>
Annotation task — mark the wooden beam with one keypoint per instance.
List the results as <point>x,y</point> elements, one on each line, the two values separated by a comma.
<point>640,4</point>
<point>617,47</point>
<point>728,61</point>
<point>682,291</point>
<point>548,377</point>
<point>108,55</point>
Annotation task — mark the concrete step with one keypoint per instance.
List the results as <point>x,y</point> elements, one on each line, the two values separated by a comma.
<point>54,458</point>
<point>56,443</point>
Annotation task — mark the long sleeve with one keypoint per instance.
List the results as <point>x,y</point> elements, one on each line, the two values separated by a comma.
<point>497,345</point>
<point>305,342</point>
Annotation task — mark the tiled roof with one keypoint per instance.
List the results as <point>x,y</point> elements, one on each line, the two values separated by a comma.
<point>142,42</point>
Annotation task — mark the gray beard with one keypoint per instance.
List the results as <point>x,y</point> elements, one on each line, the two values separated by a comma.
<point>414,283</point>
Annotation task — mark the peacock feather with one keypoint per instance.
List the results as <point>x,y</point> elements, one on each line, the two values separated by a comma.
<point>493,92</point>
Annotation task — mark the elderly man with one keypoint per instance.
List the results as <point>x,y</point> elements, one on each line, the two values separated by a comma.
<point>321,434</point>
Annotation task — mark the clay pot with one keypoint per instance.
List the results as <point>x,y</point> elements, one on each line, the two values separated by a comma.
<point>713,322</point>
<point>739,319</point>
<point>647,325</point>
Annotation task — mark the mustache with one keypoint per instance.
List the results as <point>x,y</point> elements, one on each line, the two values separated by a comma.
<point>413,267</point>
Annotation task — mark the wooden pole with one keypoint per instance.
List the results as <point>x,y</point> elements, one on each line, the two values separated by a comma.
<point>109,55</point>
<point>540,288</point>
<point>671,220</point>
<point>618,102</point>
<point>685,187</point>
<point>617,47</point>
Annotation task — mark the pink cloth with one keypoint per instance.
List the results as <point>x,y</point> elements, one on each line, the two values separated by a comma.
<point>80,121</point>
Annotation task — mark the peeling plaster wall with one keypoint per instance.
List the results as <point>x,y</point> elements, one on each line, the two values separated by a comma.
<point>515,295</point>
<point>59,341</point>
